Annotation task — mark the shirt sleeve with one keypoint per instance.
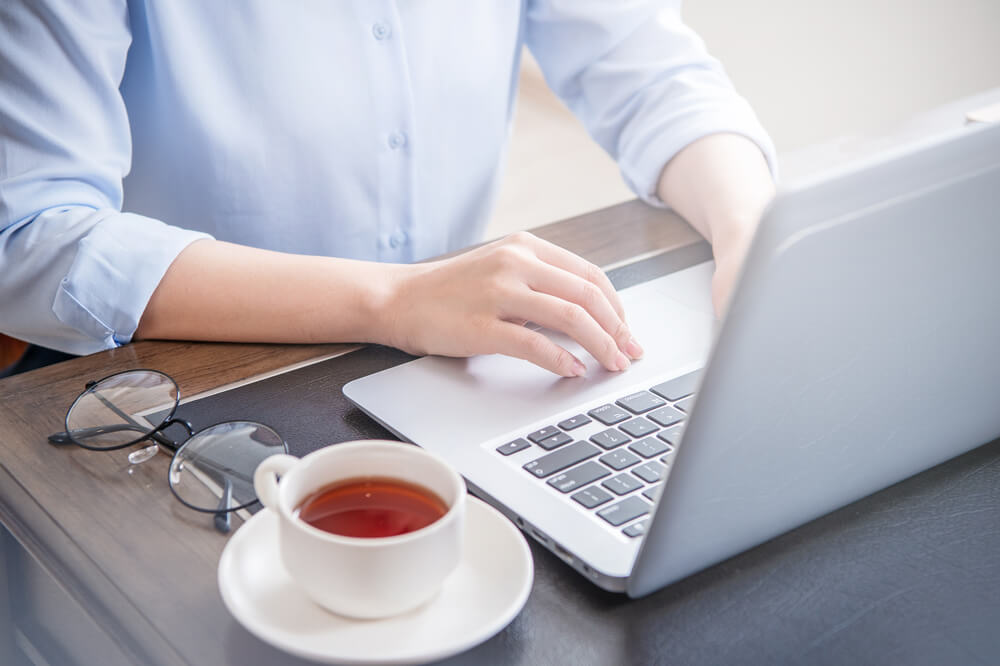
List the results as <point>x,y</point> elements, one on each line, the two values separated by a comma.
<point>640,80</point>
<point>76,272</point>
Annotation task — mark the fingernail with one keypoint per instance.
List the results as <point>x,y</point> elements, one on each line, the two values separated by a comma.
<point>579,369</point>
<point>633,349</point>
<point>622,361</point>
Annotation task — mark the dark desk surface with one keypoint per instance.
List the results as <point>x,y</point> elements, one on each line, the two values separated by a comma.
<point>909,575</point>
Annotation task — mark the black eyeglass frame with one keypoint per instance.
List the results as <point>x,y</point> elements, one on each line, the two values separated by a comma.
<point>222,521</point>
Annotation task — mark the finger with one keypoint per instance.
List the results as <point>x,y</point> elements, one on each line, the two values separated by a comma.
<point>567,286</point>
<point>574,263</point>
<point>532,346</point>
<point>571,319</point>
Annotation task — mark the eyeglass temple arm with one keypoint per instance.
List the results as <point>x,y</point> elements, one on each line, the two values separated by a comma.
<point>84,433</point>
<point>223,517</point>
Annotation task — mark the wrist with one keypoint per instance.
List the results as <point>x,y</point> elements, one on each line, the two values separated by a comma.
<point>384,303</point>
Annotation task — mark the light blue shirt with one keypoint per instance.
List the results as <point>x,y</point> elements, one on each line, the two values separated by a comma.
<point>369,129</point>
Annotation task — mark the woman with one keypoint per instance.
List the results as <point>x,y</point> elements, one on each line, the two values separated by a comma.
<point>282,164</point>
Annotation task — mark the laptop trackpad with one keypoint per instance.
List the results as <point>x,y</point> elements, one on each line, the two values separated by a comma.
<point>486,396</point>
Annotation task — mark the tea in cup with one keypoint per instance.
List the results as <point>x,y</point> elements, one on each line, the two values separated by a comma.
<point>366,529</point>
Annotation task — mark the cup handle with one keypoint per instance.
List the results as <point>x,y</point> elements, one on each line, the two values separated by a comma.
<point>265,478</point>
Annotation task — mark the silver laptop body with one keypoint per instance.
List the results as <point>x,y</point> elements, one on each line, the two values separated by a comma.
<point>862,346</point>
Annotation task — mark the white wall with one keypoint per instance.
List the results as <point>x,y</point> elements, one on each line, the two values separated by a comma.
<point>818,70</point>
<point>814,71</point>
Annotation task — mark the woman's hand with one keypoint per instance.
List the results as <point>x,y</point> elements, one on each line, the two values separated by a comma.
<point>478,302</point>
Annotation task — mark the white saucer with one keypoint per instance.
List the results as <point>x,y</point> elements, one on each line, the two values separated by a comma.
<point>485,592</point>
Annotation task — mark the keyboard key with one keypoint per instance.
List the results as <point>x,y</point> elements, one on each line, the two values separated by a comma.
<point>619,460</point>
<point>609,414</point>
<point>578,476</point>
<point>592,496</point>
<point>665,416</point>
<point>650,472</point>
<point>638,427</point>
<point>622,484</point>
<point>544,433</point>
<point>686,404</point>
<point>641,402</point>
<point>518,444</point>
<point>636,529</point>
<point>672,436</point>
<point>677,388</point>
<point>574,422</point>
<point>609,439</point>
<point>653,492</point>
<point>559,460</point>
<point>555,440</point>
<point>624,511</point>
<point>648,447</point>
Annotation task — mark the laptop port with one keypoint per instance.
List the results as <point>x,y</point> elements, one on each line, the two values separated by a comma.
<point>541,536</point>
<point>562,553</point>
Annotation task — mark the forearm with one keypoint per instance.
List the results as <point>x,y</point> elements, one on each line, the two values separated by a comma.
<point>721,185</point>
<point>472,303</point>
<point>221,291</point>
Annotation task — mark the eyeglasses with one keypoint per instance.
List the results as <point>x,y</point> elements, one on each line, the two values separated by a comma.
<point>211,470</point>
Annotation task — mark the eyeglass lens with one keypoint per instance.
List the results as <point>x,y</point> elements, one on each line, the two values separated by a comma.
<point>213,471</point>
<point>121,409</point>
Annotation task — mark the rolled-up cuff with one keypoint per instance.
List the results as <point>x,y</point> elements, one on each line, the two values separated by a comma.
<point>643,162</point>
<point>117,267</point>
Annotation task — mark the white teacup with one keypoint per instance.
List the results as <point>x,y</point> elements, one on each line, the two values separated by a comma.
<point>357,576</point>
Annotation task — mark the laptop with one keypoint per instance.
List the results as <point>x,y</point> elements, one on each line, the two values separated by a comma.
<point>861,346</point>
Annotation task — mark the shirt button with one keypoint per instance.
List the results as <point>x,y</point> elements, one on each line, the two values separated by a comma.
<point>381,31</point>
<point>397,140</point>
<point>397,239</point>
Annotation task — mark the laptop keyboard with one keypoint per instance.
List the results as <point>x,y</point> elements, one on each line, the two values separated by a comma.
<point>613,458</point>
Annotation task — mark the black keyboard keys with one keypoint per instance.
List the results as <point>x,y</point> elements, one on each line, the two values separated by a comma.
<point>638,427</point>
<point>578,476</point>
<point>677,388</point>
<point>518,444</point>
<point>609,439</point>
<point>592,496</point>
<point>666,416</point>
<point>619,460</point>
<point>653,492</point>
<point>648,447</point>
<point>609,414</point>
<point>686,404</point>
<point>555,441</point>
<point>672,436</point>
<point>650,472</point>
<point>544,433</point>
<point>559,460</point>
<point>574,422</point>
<point>641,402</point>
<point>637,528</point>
<point>624,511</point>
<point>622,484</point>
